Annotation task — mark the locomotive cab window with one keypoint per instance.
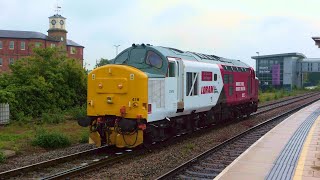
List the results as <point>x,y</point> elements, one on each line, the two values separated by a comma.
<point>122,58</point>
<point>137,56</point>
<point>171,69</point>
<point>154,59</point>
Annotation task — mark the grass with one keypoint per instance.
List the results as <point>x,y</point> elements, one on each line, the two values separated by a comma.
<point>19,137</point>
<point>278,94</point>
<point>188,148</point>
<point>2,157</point>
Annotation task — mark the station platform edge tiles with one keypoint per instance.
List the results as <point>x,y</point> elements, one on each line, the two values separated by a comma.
<point>291,150</point>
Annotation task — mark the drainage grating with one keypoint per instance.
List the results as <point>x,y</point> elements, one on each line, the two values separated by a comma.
<point>286,162</point>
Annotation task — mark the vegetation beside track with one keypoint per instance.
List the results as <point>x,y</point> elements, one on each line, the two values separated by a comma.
<point>47,94</point>
<point>275,94</point>
<point>31,137</point>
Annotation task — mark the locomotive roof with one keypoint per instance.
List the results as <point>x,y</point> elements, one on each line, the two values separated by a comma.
<point>194,56</point>
<point>135,56</point>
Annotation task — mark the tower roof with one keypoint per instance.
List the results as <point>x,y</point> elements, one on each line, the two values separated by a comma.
<point>57,16</point>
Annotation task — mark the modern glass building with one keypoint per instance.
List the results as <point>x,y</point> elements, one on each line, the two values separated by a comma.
<point>279,70</point>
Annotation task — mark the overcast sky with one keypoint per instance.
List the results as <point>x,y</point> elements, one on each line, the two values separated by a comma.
<point>230,28</point>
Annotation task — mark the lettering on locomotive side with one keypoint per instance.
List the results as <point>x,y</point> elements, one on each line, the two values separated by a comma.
<point>240,86</point>
<point>206,76</point>
<point>208,89</point>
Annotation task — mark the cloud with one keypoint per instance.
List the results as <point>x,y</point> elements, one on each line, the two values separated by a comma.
<point>233,29</point>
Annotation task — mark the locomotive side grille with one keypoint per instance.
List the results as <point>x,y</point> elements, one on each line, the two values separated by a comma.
<point>156,92</point>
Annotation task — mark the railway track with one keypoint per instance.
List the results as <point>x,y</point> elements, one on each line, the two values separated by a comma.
<point>52,162</point>
<point>271,106</point>
<point>112,156</point>
<point>211,162</point>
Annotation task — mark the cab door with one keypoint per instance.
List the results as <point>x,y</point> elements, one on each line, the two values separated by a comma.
<point>172,86</point>
<point>180,85</point>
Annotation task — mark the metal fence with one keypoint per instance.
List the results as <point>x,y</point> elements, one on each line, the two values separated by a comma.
<point>4,113</point>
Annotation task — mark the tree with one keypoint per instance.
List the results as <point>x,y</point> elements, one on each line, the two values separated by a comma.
<point>43,82</point>
<point>102,62</point>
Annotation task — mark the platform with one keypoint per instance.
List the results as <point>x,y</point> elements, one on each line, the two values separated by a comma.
<point>291,150</point>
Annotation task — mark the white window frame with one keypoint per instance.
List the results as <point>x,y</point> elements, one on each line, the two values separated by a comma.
<point>24,45</point>
<point>11,43</point>
<point>73,50</point>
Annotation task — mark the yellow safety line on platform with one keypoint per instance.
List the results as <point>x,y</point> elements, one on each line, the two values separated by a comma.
<point>302,159</point>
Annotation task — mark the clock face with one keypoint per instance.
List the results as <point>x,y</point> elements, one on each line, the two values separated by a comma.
<point>53,22</point>
<point>61,22</point>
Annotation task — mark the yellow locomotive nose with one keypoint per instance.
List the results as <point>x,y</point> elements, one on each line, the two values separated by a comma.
<point>117,97</point>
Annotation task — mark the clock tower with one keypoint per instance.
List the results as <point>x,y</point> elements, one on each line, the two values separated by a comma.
<point>57,28</point>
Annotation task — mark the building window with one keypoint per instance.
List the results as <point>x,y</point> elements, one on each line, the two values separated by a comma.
<point>23,45</point>
<point>38,44</point>
<point>11,60</point>
<point>53,45</point>
<point>11,45</point>
<point>0,61</point>
<point>72,50</point>
<point>192,84</point>
<point>0,44</point>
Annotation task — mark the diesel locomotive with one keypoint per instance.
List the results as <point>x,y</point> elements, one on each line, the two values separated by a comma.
<point>151,93</point>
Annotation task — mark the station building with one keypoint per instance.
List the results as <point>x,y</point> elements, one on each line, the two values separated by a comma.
<point>18,44</point>
<point>286,70</point>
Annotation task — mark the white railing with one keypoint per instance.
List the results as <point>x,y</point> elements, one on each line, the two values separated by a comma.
<point>4,113</point>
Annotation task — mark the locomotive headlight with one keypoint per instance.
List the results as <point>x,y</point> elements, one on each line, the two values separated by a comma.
<point>100,85</point>
<point>109,100</point>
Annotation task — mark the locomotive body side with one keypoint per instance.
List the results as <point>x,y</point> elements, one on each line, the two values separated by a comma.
<point>194,87</point>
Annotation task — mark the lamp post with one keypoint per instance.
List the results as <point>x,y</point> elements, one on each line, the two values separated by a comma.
<point>116,46</point>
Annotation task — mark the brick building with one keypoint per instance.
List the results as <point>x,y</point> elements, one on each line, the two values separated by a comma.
<point>17,44</point>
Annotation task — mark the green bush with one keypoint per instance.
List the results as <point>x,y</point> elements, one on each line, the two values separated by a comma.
<point>84,137</point>
<point>50,139</point>
<point>52,118</point>
<point>77,113</point>
<point>275,96</point>
<point>21,118</point>
<point>2,157</point>
<point>43,81</point>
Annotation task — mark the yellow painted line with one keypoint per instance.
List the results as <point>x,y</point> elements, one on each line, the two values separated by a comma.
<point>302,159</point>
